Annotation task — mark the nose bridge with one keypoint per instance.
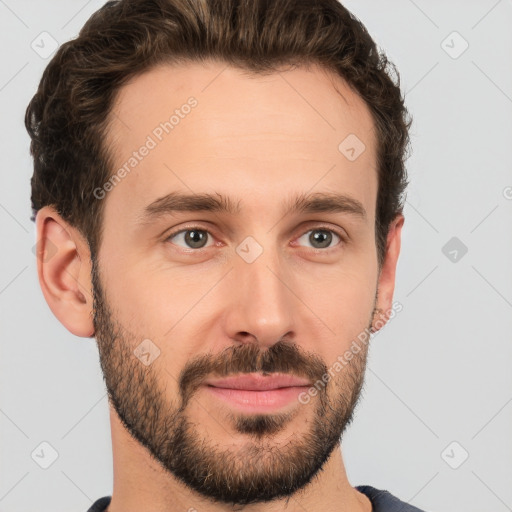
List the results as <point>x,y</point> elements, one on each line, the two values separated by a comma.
<point>262,300</point>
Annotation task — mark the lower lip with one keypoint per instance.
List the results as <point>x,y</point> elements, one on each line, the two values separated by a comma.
<point>258,401</point>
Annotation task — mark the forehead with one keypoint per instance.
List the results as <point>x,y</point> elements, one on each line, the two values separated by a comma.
<point>204,127</point>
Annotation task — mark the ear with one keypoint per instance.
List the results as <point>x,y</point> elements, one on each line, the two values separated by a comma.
<point>386,283</point>
<point>64,271</point>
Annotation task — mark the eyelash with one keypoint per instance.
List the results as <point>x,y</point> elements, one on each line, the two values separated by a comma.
<point>342,237</point>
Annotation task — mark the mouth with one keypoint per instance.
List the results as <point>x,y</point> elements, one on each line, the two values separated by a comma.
<point>257,382</point>
<point>257,393</point>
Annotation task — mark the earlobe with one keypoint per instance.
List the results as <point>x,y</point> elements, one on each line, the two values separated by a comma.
<point>64,271</point>
<point>386,283</point>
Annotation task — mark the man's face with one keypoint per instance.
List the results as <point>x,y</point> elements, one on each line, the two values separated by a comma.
<point>260,291</point>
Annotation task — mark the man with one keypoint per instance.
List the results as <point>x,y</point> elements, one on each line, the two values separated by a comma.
<point>221,184</point>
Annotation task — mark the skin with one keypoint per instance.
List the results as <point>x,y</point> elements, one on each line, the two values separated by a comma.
<point>260,140</point>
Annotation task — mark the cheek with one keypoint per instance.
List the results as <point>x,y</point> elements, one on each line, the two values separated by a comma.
<point>166,305</point>
<point>346,308</point>
<point>148,291</point>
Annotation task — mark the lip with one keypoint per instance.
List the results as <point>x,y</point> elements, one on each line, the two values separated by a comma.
<point>255,393</point>
<point>258,382</point>
<point>257,401</point>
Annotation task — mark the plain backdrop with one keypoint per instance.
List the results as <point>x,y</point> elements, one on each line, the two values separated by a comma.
<point>435,420</point>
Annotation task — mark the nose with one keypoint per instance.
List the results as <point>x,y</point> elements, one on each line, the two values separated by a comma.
<point>262,305</point>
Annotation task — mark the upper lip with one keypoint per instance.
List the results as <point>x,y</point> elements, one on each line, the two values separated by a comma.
<point>258,382</point>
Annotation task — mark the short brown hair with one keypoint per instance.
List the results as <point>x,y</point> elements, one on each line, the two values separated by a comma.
<point>67,118</point>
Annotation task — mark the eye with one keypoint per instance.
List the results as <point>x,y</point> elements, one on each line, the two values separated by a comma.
<point>321,237</point>
<point>194,237</point>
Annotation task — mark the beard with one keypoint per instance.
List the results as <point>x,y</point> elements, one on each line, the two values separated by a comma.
<point>261,470</point>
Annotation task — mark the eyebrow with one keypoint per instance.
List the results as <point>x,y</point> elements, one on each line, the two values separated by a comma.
<point>319,202</point>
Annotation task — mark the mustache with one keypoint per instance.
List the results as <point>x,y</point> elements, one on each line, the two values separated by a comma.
<point>281,357</point>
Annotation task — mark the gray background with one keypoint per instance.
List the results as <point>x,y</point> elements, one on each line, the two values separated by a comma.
<point>438,386</point>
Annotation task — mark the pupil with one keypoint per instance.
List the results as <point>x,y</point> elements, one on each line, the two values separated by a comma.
<point>318,235</point>
<point>194,237</point>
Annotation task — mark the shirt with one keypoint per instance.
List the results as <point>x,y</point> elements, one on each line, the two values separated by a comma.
<point>382,501</point>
